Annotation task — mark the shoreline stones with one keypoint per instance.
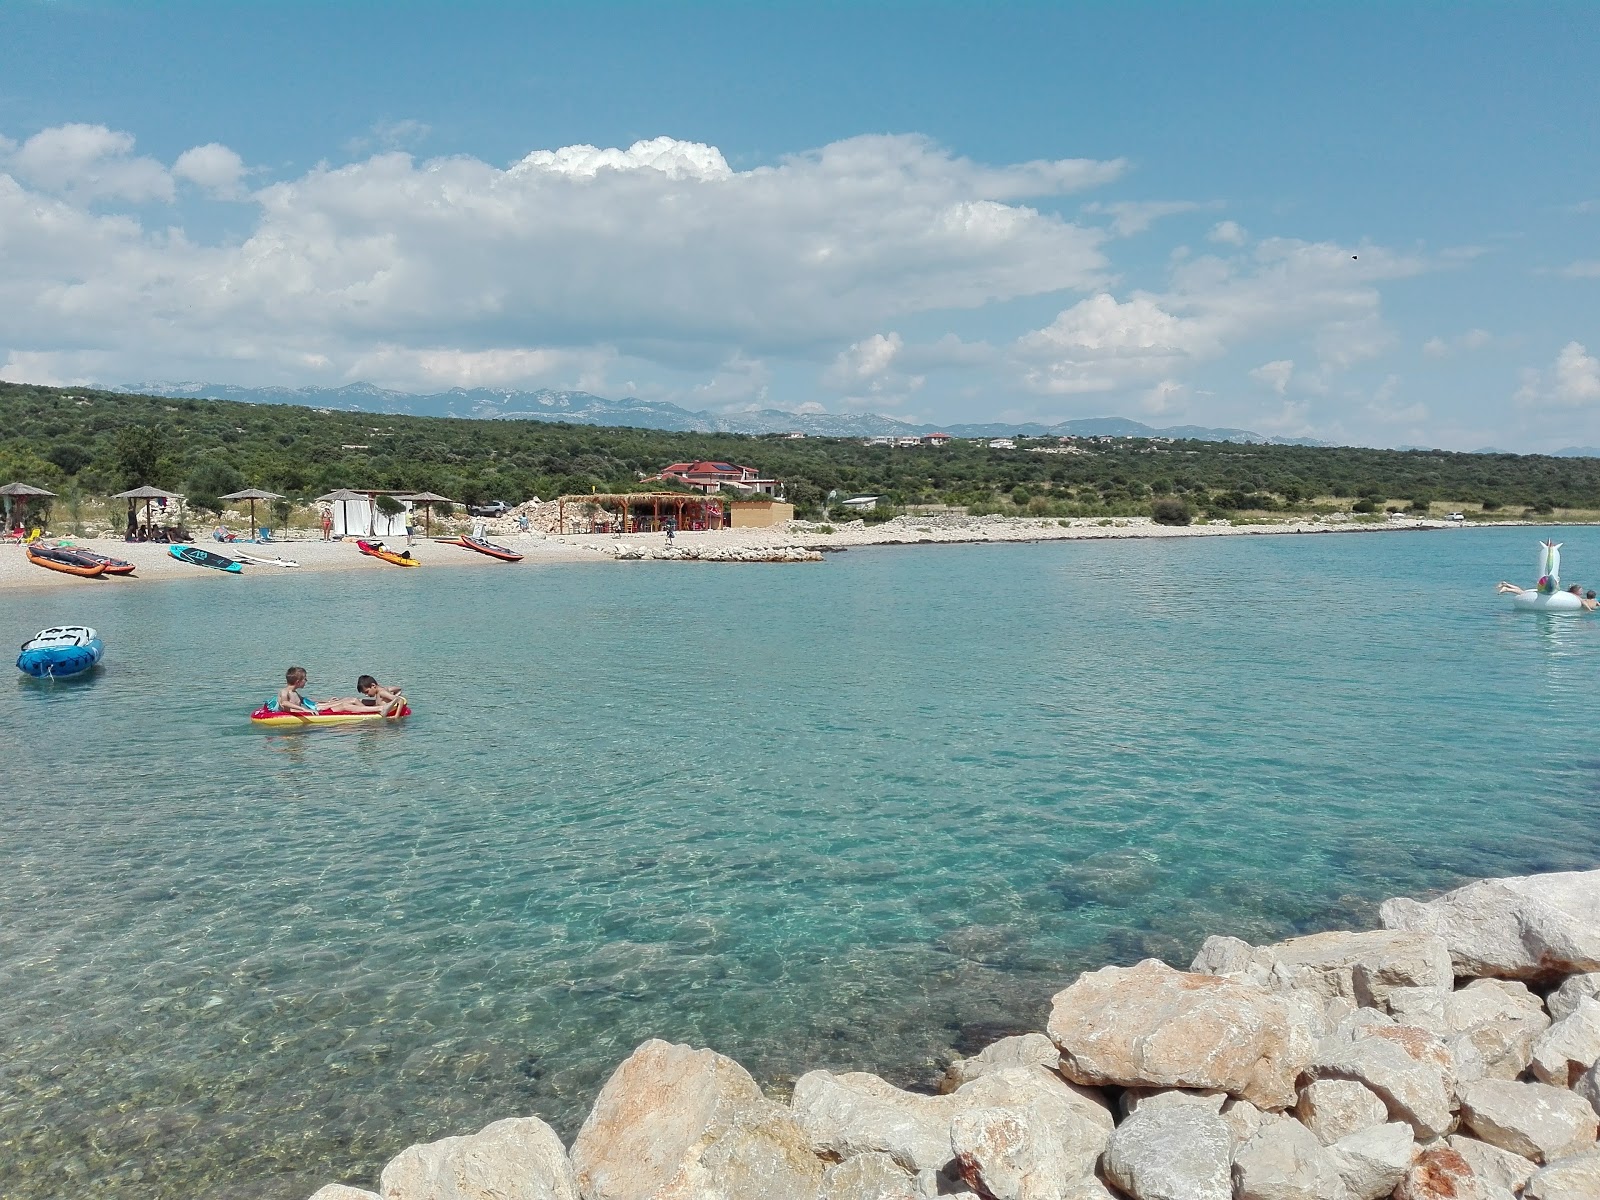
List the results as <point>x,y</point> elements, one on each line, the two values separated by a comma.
<point>1449,1056</point>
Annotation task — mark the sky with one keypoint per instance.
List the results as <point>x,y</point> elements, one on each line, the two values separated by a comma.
<point>1369,224</point>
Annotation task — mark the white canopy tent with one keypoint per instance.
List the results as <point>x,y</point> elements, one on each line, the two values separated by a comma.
<point>356,515</point>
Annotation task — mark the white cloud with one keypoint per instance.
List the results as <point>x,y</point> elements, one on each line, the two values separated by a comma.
<point>863,361</point>
<point>660,253</point>
<point>1129,217</point>
<point>89,162</point>
<point>1227,233</point>
<point>1588,268</point>
<point>1319,293</point>
<point>1169,398</point>
<point>1472,339</point>
<point>1275,374</point>
<point>1573,381</point>
<point>212,166</point>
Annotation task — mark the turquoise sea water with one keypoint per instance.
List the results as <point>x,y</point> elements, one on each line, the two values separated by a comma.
<point>861,815</point>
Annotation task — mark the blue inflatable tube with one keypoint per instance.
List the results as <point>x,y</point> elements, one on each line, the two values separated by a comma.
<point>61,652</point>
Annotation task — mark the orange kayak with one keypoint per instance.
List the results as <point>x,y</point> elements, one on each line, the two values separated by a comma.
<point>378,550</point>
<point>65,561</point>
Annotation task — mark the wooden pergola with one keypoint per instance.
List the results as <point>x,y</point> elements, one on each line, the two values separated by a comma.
<point>640,512</point>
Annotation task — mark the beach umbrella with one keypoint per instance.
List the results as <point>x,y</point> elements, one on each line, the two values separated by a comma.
<point>342,497</point>
<point>19,494</point>
<point>149,495</point>
<point>427,500</point>
<point>252,495</point>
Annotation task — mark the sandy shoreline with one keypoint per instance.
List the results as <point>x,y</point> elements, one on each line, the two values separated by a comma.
<point>154,563</point>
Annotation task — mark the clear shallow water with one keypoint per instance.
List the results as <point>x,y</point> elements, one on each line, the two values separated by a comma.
<point>854,815</point>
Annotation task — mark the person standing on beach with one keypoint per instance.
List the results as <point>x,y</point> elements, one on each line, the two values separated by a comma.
<point>327,523</point>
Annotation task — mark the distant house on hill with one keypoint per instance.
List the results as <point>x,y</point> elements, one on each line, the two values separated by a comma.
<point>1002,444</point>
<point>710,477</point>
<point>937,439</point>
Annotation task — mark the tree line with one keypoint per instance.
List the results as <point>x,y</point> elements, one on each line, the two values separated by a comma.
<point>89,442</point>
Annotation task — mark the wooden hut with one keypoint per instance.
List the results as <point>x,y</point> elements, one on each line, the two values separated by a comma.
<point>639,512</point>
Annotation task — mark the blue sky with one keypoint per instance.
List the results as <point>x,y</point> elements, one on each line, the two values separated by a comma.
<point>1372,224</point>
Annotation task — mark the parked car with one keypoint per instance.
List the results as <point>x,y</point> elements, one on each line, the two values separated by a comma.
<point>1456,517</point>
<point>495,508</point>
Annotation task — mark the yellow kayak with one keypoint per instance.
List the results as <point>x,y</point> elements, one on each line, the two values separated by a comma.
<point>379,550</point>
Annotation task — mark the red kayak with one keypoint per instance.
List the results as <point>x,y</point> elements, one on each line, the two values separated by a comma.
<point>114,566</point>
<point>482,547</point>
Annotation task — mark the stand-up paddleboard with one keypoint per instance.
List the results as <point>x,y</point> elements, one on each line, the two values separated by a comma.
<point>204,558</point>
<point>269,718</point>
<point>503,553</point>
<point>379,550</point>
<point>254,561</point>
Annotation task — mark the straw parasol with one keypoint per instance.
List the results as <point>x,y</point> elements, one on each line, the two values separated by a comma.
<point>427,500</point>
<point>19,492</point>
<point>252,495</point>
<point>342,497</point>
<point>148,494</point>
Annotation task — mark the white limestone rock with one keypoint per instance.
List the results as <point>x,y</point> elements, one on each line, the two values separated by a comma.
<point>1373,1161</point>
<point>1025,1134</point>
<point>1534,927</point>
<point>1499,1167</point>
<point>1132,1098</point>
<point>1024,1050</point>
<point>1563,1052</point>
<point>1409,1069</point>
<point>1574,1178</point>
<point>1151,1026</point>
<point>1491,1025</point>
<point>1365,967</point>
<point>1439,1173</point>
<point>1423,1007</point>
<point>674,1123</point>
<point>1535,1120</point>
<point>1588,1086</point>
<point>340,1191</point>
<point>1286,1162</point>
<point>1171,1150</point>
<point>867,1177</point>
<point>1574,988</point>
<point>520,1158</point>
<point>857,1113</point>
<point>1336,1108</point>
<point>1221,955</point>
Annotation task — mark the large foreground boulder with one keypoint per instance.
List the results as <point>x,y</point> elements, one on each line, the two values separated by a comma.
<point>675,1123</point>
<point>1441,1173</point>
<point>1026,1134</point>
<point>1151,1026</point>
<point>1535,927</point>
<point>1364,967</point>
<point>516,1159</point>
<point>1535,1120</point>
<point>1574,1178</point>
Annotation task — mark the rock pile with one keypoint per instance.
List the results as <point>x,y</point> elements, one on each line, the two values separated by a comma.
<point>1450,1055</point>
<point>743,554</point>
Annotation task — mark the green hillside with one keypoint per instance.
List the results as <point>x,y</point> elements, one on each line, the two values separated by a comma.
<point>85,442</point>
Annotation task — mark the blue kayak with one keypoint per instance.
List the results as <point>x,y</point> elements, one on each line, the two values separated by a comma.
<point>61,652</point>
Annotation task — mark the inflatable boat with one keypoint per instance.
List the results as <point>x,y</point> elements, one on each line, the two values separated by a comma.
<point>378,550</point>
<point>60,652</point>
<point>1546,595</point>
<point>270,718</point>
<point>114,566</point>
<point>68,562</point>
<point>467,541</point>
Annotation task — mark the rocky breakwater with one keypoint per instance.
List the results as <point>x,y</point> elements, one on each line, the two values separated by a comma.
<point>737,554</point>
<point>1450,1055</point>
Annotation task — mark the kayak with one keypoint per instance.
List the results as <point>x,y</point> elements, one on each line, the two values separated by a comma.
<point>60,652</point>
<point>68,562</point>
<point>204,558</point>
<point>114,566</point>
<point>482,547</point>
<point>271,718</point>
<point>254,561</point>
<point>378,550</point>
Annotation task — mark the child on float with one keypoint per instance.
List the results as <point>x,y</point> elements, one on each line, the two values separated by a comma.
<point>370,695</point>
<point>290,699</point>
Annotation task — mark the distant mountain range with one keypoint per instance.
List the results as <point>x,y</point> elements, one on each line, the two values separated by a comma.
<point>581,408</point>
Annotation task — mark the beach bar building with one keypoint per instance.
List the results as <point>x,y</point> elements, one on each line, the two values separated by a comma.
<point>639,512</point>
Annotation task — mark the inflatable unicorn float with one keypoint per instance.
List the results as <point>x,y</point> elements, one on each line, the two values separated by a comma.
<point>1546,595</point>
